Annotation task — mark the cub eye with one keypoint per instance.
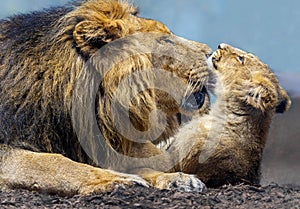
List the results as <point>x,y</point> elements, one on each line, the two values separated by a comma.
<point>241,59</point>
<point>136,12</point>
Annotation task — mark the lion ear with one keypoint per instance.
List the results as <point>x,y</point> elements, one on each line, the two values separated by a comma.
<point>91,35</point>
<point>284,101</point>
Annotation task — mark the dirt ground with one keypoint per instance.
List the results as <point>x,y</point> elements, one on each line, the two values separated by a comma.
<point>242,196</point>
<point>281,164</point>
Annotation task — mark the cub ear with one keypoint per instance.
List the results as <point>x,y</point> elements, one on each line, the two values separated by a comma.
<point>284,102</point>
<point>91,35</point>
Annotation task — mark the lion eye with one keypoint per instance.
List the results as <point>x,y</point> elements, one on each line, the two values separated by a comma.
<point>241,59</point>
<point>196,100</point>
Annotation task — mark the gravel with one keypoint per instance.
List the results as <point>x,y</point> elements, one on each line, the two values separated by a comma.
<point>240,196</point>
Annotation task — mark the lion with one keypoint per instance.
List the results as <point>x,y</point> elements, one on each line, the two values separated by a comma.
<point>226,145</point>
<point>168,137</point>
<point>43,56</point>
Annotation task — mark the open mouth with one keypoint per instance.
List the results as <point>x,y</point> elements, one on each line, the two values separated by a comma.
<point>214,59</point>
<point>211,62</point>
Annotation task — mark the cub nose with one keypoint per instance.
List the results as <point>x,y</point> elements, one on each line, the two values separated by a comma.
<point>222,46</point>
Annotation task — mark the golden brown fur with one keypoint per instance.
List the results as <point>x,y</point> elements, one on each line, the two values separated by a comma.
<point>43,55</point>
<point>226,145</point>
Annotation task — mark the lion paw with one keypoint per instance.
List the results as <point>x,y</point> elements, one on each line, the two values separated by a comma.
<point>181,182</point>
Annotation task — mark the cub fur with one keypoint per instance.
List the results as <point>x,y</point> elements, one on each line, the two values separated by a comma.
<point>226,146</point>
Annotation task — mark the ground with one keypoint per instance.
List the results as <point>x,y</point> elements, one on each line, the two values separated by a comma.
<point>281,164</point>
<point>242,196</point>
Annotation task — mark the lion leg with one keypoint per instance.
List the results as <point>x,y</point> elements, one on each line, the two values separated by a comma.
<point>157,174</point>
<point>54,173</point>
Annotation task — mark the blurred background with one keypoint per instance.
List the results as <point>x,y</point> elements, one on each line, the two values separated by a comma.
<point>267,28</point>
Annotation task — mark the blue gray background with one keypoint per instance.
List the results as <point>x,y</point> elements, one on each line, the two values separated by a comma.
<point>267,28</point>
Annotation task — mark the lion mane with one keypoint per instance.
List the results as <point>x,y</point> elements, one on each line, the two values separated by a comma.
<point>44,53</point>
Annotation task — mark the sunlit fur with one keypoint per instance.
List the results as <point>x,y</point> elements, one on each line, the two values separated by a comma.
<point>42,76</point>
<point>41,57</point>
<point>226,146</point>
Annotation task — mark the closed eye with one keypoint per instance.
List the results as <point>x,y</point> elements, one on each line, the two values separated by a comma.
<point>241,59</point>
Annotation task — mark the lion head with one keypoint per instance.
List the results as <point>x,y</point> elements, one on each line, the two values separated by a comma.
<point>46,53</point>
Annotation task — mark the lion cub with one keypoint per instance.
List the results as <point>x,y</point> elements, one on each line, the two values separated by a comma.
<point>226,146</point>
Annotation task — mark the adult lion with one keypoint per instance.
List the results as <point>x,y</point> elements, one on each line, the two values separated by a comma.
<point>142,83</point>
<point>44,54</point>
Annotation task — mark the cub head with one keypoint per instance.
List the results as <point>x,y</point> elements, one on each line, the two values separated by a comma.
<point>262,87</point>
<point>133,92</point>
